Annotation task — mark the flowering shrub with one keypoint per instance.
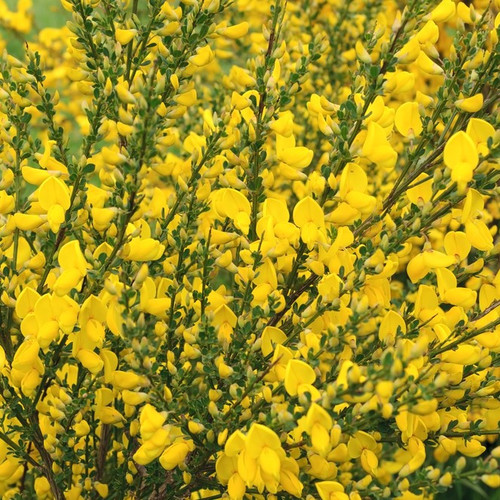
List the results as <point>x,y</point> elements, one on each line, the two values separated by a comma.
<point>249,249</point>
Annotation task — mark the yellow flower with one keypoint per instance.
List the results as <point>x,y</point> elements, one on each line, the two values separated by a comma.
<point>309,217</point>
<point>125,36</point>
<point>187,99</point>
<point>407,120</point>
<point>236,487</point>
<point>174,455</point>
<point>90,360</point>
<point>318,425</point>
<point>362,53</point>
<point>42,487</point>
<point>7,203</point>
<point>109,415</point>
<point>170,13</point>
<point>203,56</point>
<point>457,244</point>
<point>283,125</point>
<point>444,11</point>
<point>224,320</point>
<point>231,203</point>
<point>143,250</point>
<point>427,65</point>
<point>26,355</point>
<point>362,445</point>
<point>331,490</point>
<point>460,156</point>
<point>479,235</point>
<point>470,448</point>
<point>409,52</point>
<point>296,157</point>
<point>491,480</point>
<point>27,222</point>
<point>54,198</point>
<point>271,336</point>
<point>391,324</point>
<point>329,287</point>
<point>480,131</point>
<point>416,455</point>
<point>124,94</point>
<point>48,162</point>
<point>74,268</point>
<point>102,217</point>
<point>298,373</point>
<point>377,148</point>
<point>250,244</point>
<point>127,380</point>
<point>470,104</point>
<point>264,446</point>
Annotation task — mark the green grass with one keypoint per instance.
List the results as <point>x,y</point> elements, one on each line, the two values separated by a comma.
<point>49,14</point>
<point>46,14</point>
<point>470,491</point>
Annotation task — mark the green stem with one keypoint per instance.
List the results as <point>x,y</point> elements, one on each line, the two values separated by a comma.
<point>256,144</point>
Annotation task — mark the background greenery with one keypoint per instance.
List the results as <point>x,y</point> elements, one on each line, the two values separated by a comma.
<point>47,14</point>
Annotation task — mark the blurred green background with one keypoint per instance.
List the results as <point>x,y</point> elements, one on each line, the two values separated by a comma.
<point>47,14</point>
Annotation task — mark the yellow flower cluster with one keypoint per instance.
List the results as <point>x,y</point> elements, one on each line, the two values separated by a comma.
<point>250,249</point>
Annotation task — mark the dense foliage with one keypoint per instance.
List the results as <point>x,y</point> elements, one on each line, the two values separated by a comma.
<point>249,249</point>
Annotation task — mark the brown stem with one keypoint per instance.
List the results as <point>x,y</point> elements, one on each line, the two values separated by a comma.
<point>46,458</point>
<point>491,307</point>
<point>103,451</point>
